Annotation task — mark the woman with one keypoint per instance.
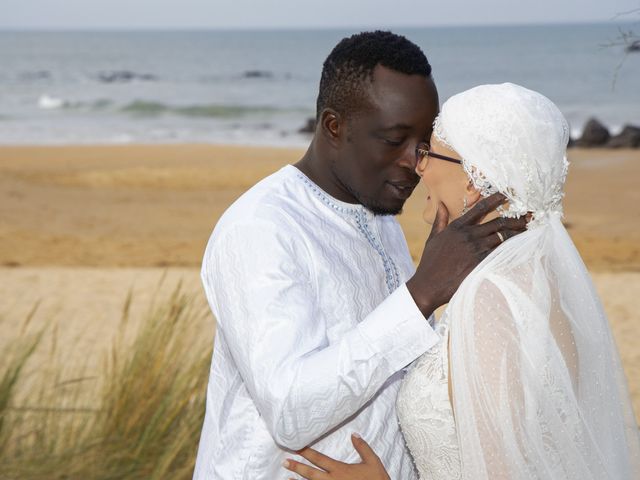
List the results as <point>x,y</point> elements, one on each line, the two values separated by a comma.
<point>526,382</point>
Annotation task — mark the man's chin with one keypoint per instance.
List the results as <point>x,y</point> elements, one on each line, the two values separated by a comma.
<point>381,210</point>
<point>385,206</point>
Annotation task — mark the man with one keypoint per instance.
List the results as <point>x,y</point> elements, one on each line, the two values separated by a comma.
<point>319,307</point>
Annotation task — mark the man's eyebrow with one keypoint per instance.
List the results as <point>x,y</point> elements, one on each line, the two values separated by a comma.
<point>398,126</point>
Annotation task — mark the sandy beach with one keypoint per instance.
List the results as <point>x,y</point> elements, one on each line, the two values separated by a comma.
<point>81,226</point>
<point>150,206</point>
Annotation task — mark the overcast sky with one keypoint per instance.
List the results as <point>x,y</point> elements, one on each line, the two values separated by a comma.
<point>128,14</point>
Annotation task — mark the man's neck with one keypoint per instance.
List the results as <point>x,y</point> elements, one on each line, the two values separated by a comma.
<point>321,175</point>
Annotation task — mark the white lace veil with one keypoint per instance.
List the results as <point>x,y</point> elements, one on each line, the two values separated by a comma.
<point>538,387</point>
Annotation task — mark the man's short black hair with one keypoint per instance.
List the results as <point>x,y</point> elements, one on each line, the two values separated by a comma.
<point>351,63</point>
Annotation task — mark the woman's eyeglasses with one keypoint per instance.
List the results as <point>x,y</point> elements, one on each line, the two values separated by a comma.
<point>424,150</point>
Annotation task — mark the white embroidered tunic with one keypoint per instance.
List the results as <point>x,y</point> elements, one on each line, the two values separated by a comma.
<point>314,328</point>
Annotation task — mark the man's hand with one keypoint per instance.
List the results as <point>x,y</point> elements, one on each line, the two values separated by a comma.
<point>453,251</point>
<point>370,468</point>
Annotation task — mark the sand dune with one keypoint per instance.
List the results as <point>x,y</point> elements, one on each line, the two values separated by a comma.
<point>86,303</point>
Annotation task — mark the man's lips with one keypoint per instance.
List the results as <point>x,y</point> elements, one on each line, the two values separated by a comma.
<point>403,188</point>
<point>403,184</point>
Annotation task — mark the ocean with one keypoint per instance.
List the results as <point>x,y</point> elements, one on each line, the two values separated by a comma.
<point>259,87</point>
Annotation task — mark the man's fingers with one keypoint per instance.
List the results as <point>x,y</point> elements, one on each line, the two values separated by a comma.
<point>318,459</point>
<point>305,470</point>
<point>507,234</point>
<point>441,221</point>
<point>499,224</point>
<point>483,207</point>
<point>484,255</point>
<point>488,244</point>
<point>364,450</point>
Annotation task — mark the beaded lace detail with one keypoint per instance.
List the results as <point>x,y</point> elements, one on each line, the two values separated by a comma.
<point>495,156</point>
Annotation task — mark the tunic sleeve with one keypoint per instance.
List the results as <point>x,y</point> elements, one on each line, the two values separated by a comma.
<point>260,283</point>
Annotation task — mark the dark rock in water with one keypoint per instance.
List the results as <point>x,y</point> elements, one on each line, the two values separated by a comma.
<point>35,75</point>
<point>633,47</point>
<point>257,74</point>
<point>121,76</point>
<point>310,126</point>
<point>628,138</point>
<point>594,135</point>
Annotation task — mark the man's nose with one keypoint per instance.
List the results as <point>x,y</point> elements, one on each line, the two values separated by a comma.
<point>409,158</point>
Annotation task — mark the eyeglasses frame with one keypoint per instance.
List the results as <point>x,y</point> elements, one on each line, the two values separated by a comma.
<point>426,152</point>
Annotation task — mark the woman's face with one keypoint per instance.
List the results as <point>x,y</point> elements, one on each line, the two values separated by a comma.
<point>445,182</point>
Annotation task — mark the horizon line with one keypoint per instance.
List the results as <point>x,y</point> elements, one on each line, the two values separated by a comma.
<point>106,29</point>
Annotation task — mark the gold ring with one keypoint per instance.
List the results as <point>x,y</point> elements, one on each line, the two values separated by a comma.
<point>500,237</point>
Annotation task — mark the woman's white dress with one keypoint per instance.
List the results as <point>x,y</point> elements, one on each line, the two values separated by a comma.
<point>538,389</point>
<point>425,413</point>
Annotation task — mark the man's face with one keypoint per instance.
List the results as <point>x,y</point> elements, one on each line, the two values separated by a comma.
<point>376,160</point>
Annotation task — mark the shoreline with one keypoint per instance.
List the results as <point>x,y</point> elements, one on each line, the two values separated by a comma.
<point>300,139</point>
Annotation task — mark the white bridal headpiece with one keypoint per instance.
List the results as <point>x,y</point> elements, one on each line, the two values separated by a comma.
<point>512,140</point>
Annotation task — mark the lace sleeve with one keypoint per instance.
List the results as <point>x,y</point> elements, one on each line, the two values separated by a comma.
<point>492,393</point>
<point>515,374</point>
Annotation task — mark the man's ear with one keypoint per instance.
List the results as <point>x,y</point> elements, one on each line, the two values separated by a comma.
<point>332,126</point>
<point>472,194</point>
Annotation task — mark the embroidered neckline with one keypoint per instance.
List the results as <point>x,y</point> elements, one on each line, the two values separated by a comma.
<point>334,203</point>
<point>360,214</point>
